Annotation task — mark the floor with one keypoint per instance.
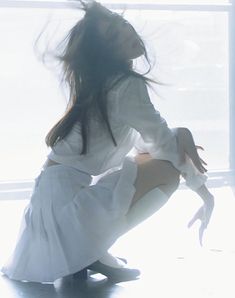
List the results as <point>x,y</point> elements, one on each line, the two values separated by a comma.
<point>168,254</point>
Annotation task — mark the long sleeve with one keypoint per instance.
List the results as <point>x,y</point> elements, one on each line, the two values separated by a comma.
<point>136,110</point>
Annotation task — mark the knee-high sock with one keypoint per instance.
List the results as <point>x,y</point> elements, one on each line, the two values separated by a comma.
<point>112,261</point>
<point>145,207</point>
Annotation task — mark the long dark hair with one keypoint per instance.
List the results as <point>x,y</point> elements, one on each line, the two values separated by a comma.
<point>87,64</point>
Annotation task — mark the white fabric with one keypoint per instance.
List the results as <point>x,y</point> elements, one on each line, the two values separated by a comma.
<point>135,123</point>
<point>136,110</point>
<point>72,220</point>
<point>193,178</point>
<point>110,260</point>
<point>146,207</point>
<point>69,224</point>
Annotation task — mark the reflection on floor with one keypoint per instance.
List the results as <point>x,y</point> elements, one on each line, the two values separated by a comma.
<point>167,253</point>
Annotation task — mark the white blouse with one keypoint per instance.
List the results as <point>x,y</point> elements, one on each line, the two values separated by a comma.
<point>135,124</point>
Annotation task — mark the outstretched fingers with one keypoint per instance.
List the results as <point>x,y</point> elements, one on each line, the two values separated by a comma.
<point>197,216</point>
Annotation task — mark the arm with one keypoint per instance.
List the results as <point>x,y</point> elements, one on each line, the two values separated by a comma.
<point>161,142</point>
<point>136,110</point>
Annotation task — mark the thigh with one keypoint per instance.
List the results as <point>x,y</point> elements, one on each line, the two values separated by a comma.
<point>154,173</point>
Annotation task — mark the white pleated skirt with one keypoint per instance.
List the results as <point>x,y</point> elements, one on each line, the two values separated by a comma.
<point>68,223</point>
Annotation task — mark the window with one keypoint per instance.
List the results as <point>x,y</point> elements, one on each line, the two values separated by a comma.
<point>191,49</point>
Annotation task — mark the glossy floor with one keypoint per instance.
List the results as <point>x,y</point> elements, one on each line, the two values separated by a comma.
<point>167,253</point>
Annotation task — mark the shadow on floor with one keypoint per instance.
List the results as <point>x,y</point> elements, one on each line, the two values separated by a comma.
<point>64,287</point>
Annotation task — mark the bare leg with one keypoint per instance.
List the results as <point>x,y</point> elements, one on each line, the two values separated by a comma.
<point>154,173</point>
<point>156,181</point>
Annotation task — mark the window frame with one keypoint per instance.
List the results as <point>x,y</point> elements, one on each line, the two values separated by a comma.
<point>228,7</point>
<point>68,4</point>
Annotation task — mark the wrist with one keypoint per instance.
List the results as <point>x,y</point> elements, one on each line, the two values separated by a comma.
<point>209,200</point>
<point>205,195</point>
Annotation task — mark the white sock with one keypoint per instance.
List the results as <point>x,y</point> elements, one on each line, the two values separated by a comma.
<point>140,211</point>
<point>110,260</point>
<point>146,206</point>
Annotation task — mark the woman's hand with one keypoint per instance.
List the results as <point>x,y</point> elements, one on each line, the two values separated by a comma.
<point>186,146</point>
<point>204,215</point>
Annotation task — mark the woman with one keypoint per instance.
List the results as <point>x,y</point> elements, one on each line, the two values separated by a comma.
<point>71,221</point>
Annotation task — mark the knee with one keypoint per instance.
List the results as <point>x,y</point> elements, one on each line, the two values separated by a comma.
<point>176,180</point>
<point>173,179</point>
